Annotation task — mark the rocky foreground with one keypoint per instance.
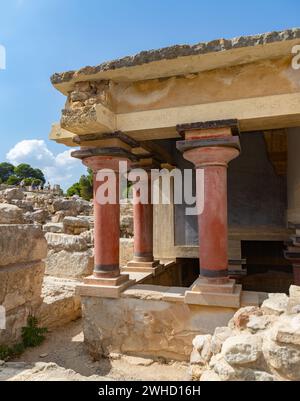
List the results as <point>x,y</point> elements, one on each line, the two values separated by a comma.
<point>259,344</point>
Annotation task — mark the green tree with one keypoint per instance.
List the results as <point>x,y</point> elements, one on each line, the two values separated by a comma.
<point>39,175</point>
<point>27,181</point>
<point>6,170</point>
<point>26,171</point>
<point>74,190</point>
<point>86,189</point>
<point>13,180</point>
<point>83,188</point>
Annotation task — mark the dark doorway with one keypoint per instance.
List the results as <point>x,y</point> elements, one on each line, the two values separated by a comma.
<point>267,269</point>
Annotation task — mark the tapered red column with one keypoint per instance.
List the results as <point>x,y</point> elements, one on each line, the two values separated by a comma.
<point>143,224</point>
<point>211,163</point>
<point>210,148</point>
<point>106,215</point>
<point>107,233</point>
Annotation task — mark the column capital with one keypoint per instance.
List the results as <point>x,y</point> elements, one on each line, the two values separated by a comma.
<point>211,156</point>
<point>103,158</point>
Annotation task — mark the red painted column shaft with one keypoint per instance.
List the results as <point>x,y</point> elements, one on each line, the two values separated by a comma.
<point>143,226</point>
<point>107,218</point>
<point>107,235</point>
<point>212,224</point>
<point>211,185</point>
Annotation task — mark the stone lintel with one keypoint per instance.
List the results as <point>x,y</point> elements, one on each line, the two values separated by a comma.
<point>229,142</point>
<point>79,139</point>
<point>232,124</point>
<point>110,152</point>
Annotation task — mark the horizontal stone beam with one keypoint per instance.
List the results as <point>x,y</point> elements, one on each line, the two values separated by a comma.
<point>253,114</point>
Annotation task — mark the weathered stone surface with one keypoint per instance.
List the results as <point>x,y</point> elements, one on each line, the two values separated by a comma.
<point>65,242</point>
<point>283,359</point>
<point>202,349</point>
<point>242,317</point>
<point>43,372</point>
<point>21,244</point>
<point>68,205</point>
<point>60,304</point>
<point>10,214</point>
<point>294,300</point>
<point>75,225</point>
<point>88,236</point>
<point>39,216</point>
<point>258,323</point>
<point>220,335</point>
<point>53,228</point>
<point>287,330</point>
<point>126,250</point>
<point>260,344</point>
<point>276,304</point>
<point>242,349</point>
<point>173,52</point>
<point>13,194</point>
<point>145,327</point>
<point>20,284</point>
<point>70,264</point>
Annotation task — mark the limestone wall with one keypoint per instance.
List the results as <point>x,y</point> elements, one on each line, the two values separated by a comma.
<point>22,250</point>
<point>144,323</point>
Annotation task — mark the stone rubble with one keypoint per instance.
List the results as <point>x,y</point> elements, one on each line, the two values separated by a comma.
<point>259,344</point>
<point>56,255</point>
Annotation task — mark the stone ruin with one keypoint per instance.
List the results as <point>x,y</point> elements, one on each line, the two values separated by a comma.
<point>46,248</point>
<point>259,344</point>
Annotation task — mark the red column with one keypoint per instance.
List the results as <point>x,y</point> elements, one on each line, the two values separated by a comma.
<point>107,221</point>
<point>212,221</point>
<point>143,226</point>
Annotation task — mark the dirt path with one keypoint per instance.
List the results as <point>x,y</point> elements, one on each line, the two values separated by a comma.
<point>65,347</point>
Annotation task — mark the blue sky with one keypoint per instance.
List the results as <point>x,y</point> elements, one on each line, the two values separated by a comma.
<point>46,36</point>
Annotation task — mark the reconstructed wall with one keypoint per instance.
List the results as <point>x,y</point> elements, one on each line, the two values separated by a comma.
<point>293,175</point>
<point>144,322</point>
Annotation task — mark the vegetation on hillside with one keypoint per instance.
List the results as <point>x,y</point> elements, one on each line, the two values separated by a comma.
<point>83,188</point>
<point>14,175</point>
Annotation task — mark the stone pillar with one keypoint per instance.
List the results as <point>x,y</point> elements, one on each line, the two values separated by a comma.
<point>107,222</point>
<point>107,281</point>
<point>143,226</point>
<point>143,260</point>
<point>211,165</point>
<point>210,147</point>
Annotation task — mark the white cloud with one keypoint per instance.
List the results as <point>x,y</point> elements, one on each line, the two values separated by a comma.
<point>59,169</point>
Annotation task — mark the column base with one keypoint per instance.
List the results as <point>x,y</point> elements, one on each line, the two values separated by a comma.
<point>143,267</point>
<point>104,287</point>
<point>224,293</point>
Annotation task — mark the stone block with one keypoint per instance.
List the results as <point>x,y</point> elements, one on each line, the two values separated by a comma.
<point>215,299</point>
<point>69,264</point>
<point>21,244</point>
<point>65,242</point>
<point>10,214</point>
